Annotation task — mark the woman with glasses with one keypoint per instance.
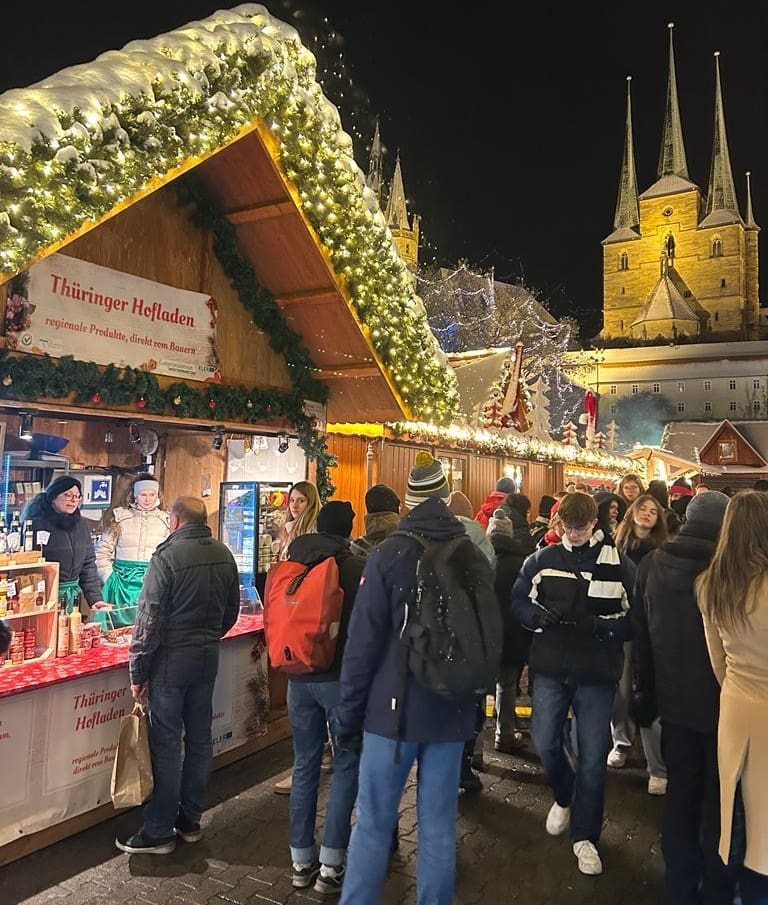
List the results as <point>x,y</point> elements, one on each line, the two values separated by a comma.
<point>132,532</point>
<point>63,537</point>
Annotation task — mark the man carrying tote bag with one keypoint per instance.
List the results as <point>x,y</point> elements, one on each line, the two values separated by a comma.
<point>132,780</point>
<point>189,600</point>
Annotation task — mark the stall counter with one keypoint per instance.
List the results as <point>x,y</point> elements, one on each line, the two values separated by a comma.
<point>15,679</point>
<point>60,719</point>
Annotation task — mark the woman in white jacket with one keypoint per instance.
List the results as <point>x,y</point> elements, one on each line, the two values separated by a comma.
<point>733,598</point>
<point>125,548</point>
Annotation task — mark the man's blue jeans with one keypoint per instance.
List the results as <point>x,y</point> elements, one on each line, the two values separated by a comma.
<point>179,786</point>
<point>583,790</point>
<point>308,706</point>
<point>382,779</point>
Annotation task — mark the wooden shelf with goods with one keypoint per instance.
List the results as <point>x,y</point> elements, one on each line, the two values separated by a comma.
<point>36,624</point>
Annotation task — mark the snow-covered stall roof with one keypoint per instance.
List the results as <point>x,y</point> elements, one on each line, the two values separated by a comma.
<point>92,139</point>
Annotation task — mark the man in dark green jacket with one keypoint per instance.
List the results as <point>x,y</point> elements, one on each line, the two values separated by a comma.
<point>189,600</point>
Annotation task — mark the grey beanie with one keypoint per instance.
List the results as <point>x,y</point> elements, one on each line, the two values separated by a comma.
<point>500,523</point>
<point>707,508</point>
<point>506,485</point>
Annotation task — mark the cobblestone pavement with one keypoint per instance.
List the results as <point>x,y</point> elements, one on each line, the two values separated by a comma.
<point>504,853</point>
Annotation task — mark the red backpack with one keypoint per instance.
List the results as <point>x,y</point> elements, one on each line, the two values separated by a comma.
<point>302,615</point>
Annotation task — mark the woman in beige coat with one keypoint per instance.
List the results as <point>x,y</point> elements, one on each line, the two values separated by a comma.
<point>122,556</point>
<point>733,598</point>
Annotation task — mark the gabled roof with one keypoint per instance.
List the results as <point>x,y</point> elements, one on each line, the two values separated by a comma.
<point>665,303</point>
<point>692,439</point>
<point>479,374</point>
<point>233,97</point>
<point>668,185</point>
<point>724,426</point>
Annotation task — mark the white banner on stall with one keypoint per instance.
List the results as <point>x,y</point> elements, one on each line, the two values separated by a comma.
<point>57,744</point>
<point>64,306</point>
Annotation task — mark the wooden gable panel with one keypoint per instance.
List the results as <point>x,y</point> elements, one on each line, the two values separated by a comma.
<point>727,446</point>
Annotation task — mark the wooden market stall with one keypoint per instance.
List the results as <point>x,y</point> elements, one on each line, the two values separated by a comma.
<point>190,249</point>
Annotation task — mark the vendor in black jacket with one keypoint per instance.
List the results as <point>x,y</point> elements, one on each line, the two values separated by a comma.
<point>63,536</point>
<point>674,680</point>
<point>575,597</point>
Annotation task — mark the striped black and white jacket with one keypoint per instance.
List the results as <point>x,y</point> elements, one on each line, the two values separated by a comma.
<point>586,646</point>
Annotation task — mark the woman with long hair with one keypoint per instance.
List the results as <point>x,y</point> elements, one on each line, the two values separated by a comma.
<point>630,487</point>
<point>303,507</point>
<point>733,598</point>
<point>643,529</point>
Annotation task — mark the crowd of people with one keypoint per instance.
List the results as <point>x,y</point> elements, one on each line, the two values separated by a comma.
<point>634,610</point>
<point>628,612</point>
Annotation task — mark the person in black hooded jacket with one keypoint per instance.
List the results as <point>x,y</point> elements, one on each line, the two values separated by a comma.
<point>674,679</point>
<point>611,509</point>
<point>512,542</point>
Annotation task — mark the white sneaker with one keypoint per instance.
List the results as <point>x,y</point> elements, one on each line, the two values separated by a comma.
<point>558,819</point>
<point>657,785</point>
<point>283,786</point>
<point>589,860</point>
<point>616,758</point>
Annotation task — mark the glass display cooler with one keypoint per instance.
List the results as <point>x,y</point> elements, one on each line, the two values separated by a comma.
<point>251,514</point>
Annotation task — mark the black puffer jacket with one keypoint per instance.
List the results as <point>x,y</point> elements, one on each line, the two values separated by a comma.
<point>310,549</point>
<point>189,600</point>
<point>671,659</point>
<point>69,544</point>
<point>511,553</point>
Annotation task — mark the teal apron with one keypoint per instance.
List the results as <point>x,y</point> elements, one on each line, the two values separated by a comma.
<point>70,591</point>
<point>121,589</point>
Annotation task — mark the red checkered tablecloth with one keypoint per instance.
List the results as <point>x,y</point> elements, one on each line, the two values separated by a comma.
<point>15,679</point>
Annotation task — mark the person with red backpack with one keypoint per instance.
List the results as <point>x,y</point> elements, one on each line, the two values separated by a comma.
<point>311,695</point>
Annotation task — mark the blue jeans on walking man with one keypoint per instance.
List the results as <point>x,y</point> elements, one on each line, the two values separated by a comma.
<point>382,779</point>
<point>308,706</point>
<point>179,786</point>
<point>581,789</point>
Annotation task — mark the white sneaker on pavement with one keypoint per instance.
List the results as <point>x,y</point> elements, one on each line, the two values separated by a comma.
<point>283,786</point>
<point>588,858</point>
<point>558,819</point>
<point>616,758</point>
<point>657,785</point>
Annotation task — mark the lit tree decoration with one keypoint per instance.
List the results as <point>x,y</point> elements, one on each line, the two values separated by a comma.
<point>470,310</point>
<point>612,439</point>
<point>70,155</point>
<point>598,441</point>
<point>540,427</point>
<point>570,434</point>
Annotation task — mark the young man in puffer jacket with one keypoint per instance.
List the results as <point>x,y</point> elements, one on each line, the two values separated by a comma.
<point>575,597</point>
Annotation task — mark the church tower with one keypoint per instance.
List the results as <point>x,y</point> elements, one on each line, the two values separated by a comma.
<point>405,230</point>
<point>677,264</point>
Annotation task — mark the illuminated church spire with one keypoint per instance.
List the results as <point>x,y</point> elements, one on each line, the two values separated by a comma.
<point>627,210</point>
<point>374,179</point>
<point>721,197</point>
<point>672,155</point>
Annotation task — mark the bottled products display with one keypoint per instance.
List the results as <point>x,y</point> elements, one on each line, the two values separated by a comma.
<point>13,540</point>
<point>29,536</point>
<point>75,632</point>
<point>62,645</point>
<point>3,594</point>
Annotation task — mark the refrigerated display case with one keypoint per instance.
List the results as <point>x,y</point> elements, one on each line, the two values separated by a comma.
<point>251,514</point>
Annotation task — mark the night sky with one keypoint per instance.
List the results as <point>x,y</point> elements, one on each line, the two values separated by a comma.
<point>510,123</point>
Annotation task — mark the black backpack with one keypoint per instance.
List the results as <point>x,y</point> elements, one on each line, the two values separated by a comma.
<point>452,631</point>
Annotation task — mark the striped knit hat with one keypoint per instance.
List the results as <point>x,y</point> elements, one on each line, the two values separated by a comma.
<point>426,479</point>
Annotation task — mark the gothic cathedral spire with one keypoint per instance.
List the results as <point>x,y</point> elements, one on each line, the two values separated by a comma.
<point>722,206</point>
<point>375,178</point>
<point>672,160</point>
<point>627,209</point>
<point>406,236</point>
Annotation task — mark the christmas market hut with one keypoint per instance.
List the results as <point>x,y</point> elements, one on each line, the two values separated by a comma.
<point>501,428</point>
<point>196,279</point>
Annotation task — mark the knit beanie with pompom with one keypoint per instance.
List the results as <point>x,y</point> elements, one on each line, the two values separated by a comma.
<point>425,480</point>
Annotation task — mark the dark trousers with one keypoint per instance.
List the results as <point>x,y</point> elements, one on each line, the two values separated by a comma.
<point>690,833</point>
